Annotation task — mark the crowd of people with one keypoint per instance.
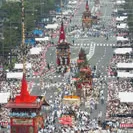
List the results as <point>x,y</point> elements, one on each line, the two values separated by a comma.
<point>39,68</point>
<point>81,121</point>
<point>117,110</point>
<point>95,31</point>
<point>114,104</point>
<point>118,59</point>
<point>81,118</point>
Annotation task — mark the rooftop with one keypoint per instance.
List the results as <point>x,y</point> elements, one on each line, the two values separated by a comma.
<point>33,105</point>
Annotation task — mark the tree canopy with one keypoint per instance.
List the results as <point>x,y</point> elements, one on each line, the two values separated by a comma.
<point>34,11</point>
<point>129,9</point>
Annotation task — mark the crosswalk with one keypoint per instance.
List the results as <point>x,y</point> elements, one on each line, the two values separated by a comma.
<point>95,44</point>
<point>91,52</point>
<point>108,76</point>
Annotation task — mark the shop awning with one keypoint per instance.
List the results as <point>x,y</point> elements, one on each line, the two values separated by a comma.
<point>42,39</point>
<point>122,50</point>
<point>124,74</point>
<point>4,97</point>
<point>14,75</point>
<point>51,26</point>
<point>20,66</point>
<point>125,65</point>
<point>126,97</point>
<point>121,18</point>
<point>35,51</point>
<point>121,38</point>
<point>122,26</point>
<point>119,2</point>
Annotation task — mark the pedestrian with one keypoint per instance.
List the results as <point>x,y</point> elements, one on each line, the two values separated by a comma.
<point>73,41</point>
<point>107,37</point>
<point>102,100</point>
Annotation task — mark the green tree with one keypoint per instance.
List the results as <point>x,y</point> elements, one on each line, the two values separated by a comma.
<point>34,10</point>
<point>128,8</point>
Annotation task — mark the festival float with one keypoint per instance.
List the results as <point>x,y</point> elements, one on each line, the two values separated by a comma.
<point>72,100</point>
<point>63,50</point>
<point>67,119</point>
<point>88,18</point>
<point>25,110</point>
<point>84,79</point>
<point>95,12</point>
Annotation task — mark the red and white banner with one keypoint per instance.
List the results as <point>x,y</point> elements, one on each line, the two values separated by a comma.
<point>123,125</point>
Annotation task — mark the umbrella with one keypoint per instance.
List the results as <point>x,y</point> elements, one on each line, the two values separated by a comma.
<point>66,120</point>
<point>30,41</point>
<point>37,32</point>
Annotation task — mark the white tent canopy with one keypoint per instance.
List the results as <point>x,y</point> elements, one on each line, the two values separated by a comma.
<point>72,2</point>
<point>42,39</point>
<point>20,66</point>
<point>65,13</point>
<point>121,18</point>
<point>51,26</point>
<point>35,50</point>
<point>125,65</point>
<point>124,74</point>
<point>115,10</point>
<point>98,131</point>
<point>121,38</point>
<point>122,50</point>
<point>14,75</point>
<point>126,97</point>
<point>4,97</point>
<point>119,2</point>
<point>122,26</point>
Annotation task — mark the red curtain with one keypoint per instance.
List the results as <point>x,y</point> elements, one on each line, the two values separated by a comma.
<point>58,61</point>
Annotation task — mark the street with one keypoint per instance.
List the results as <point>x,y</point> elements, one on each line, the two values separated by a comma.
<point>99,51</point>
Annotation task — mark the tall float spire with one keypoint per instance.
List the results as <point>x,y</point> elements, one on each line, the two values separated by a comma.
<point>62,37</point>
<point>87,5</point>
<point>24,96</point>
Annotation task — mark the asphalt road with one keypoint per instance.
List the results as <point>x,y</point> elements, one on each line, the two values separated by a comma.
<point>101,54</point>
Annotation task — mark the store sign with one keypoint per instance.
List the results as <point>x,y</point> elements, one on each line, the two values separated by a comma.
<point>22,122</point>
<point>124,125</point>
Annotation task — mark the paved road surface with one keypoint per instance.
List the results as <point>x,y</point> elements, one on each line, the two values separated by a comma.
<point>101,54</point>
